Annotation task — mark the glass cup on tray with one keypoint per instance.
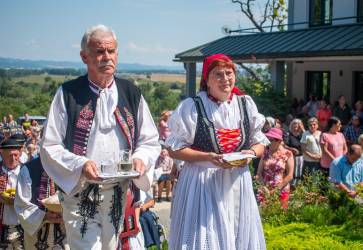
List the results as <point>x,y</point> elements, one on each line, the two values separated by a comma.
<point>125,161</point>
<point>108,167</point>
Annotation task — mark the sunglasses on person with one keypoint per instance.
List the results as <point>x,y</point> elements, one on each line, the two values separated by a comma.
<point>273,140</point>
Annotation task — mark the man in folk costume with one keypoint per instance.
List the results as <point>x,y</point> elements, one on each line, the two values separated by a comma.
<point>43,229</point>
<point>90,120</point>
<point>11,232</point>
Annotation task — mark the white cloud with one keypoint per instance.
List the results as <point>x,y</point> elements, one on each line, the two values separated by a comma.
<point>158,48</point>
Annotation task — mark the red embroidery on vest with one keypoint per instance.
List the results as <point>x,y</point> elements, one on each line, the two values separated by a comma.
<point>81,132</point>
<point>124,126</point>
<point>46,188</point>
<point>228,139</point>
<point>130,122</point>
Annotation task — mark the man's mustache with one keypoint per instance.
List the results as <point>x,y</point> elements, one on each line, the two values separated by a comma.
<point>106,63</point>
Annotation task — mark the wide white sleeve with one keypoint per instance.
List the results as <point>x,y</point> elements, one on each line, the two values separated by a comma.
<point>29,214</point>
<point>182,124</point>
<point>257,121</point>
<point>64,167</point>
<point>147,146</point>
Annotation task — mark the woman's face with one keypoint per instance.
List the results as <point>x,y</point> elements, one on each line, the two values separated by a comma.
<point>164,153</point>
<point>322,104</point>
<point>295,127</point>
<point>359,106</point>
<point>313,126</point>
<point>220,83</point>
<point>275,143</point>
<point>342,100</point>
<point>337,126</point>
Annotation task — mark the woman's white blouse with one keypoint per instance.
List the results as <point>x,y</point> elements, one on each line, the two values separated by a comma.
<point>183,121</point>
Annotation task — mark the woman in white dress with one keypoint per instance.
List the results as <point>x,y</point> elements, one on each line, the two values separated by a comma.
<point>214,206</point>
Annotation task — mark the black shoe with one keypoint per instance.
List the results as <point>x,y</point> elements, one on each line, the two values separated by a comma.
<point>158,199</point>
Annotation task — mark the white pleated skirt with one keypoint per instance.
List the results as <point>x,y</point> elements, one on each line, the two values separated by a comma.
<point>214,209</point>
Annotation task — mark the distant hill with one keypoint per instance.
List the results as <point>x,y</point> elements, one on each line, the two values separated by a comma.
<point>41,64</point>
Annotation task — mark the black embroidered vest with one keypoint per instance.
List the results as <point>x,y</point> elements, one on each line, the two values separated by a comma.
<point>80,102</point>
<point>205,138</point>
<point>36,172</point>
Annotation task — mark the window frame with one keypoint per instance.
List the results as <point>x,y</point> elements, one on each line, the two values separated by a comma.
<point>322,21</point>
<point>359,11</point>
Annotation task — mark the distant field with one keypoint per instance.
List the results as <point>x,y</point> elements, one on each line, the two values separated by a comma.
<point>40,78</point>
<point>158,77</point>
<point>167,78</point>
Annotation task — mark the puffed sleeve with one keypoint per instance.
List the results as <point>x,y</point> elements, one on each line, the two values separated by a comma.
<point>182,124</point>
<point>257,121</point>
<point>29,215</point>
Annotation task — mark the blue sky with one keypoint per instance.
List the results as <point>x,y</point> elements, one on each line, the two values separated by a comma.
<point>149,31</point>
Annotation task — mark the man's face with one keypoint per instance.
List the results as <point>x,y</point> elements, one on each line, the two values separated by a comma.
<point>10,157</point>
<point>355,156</point>
<point>101,55</point>
<point>356,122</point>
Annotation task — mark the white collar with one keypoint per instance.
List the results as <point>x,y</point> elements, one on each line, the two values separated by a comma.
<point>7,171</point>
<point>96,89</point>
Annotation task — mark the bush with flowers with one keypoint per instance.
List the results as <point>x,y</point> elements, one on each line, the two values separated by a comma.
<point>318,217</point>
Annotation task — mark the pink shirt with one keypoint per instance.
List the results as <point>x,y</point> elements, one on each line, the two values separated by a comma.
<point>335,144</point>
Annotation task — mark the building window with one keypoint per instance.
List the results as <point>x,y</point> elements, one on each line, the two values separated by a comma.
<point>321,12</point>
<point>360,11</point>
<point>318,84</point>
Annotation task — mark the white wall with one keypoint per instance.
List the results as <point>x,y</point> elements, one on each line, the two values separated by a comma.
<point>338,84</point>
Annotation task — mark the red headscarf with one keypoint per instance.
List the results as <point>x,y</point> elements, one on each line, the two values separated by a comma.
<point>207,67</point>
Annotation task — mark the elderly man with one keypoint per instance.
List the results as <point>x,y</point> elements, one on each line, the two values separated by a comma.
<point>91,119</point>
<point>11,233</point>
<point>347,171</point>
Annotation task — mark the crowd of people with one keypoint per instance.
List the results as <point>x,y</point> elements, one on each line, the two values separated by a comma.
<point>318,140</point>
<point>28,128</point>
<point>98,115</point>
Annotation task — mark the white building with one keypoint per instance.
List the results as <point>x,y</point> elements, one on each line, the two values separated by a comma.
<point>321,53</point>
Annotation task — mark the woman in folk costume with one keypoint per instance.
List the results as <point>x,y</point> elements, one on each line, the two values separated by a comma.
<point>11,232</point>
<point>214,206</point>
<point>43,229</point>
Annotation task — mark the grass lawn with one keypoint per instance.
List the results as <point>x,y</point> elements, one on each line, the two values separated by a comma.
<point>309,236</point>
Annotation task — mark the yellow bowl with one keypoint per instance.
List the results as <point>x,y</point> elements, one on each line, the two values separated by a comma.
<point>238,162</point>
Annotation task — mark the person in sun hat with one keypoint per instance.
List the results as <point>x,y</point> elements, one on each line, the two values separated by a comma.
<point>214,206</point>
<point>11,232</point>
<point>276,168</point>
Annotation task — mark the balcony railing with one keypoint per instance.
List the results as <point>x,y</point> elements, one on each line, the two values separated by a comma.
<point>282,27</point>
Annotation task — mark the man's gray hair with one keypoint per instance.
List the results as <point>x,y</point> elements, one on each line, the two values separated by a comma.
<point>92,31</point>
